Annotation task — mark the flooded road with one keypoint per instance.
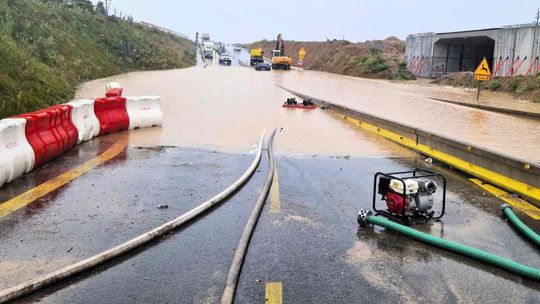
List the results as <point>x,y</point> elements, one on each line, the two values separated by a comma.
<point>406,103</point>
<point>227,107</point>
<point>307,237</point>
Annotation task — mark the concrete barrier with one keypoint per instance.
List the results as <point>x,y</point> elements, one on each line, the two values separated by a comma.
<point>513,174</point>
<point>144,111</point>
<point>85,119</point>
<point>16,155</point>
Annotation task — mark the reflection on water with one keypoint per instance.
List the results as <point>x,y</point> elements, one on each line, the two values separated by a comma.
<point>405,103</point>
<point>227,108</point>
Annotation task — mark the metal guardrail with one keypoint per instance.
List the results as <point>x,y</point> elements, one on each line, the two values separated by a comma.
<point>166,30</point>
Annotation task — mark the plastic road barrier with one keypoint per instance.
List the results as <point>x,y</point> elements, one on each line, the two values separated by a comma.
<point>50,132</point>
<point>84,119</point>
<point>16,154</point>
<point>42,135</point>
<point>67,130</point>
<point>144,111</point>
<point>113,89</point>
<point>112,115</point>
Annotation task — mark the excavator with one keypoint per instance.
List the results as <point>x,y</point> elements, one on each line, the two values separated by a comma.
<point>279,60</point>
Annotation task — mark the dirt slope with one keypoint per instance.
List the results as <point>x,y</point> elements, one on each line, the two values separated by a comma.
<point>375,59</point>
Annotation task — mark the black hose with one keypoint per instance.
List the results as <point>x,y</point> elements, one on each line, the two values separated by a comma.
<point>238,260</point>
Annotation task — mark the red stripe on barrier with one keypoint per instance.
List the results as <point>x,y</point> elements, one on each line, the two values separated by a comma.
<point>50,132</point>
<point>111,113</point>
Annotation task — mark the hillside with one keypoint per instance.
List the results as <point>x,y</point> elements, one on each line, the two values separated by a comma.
<point>47,50</point>
<point>374,59</point>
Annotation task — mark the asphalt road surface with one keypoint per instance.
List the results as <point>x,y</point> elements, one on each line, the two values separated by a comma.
<point>307,240</point>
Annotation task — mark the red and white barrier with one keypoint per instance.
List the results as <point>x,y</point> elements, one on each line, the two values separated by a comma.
<point>112,115</point>
<point>16,155</point>
<point>144,111</point>
<point>85,119</point>
<point>113,89</point>
<point>31,139</point>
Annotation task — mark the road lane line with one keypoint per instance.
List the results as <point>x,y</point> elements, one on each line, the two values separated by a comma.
<point>43,189</point>
<point>274,293</point>
<point>507,197</point>
<point>275,205</point>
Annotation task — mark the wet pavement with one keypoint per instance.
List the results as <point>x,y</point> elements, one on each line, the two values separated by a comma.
<point>307,236</point>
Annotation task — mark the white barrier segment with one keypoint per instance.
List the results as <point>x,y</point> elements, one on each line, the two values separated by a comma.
<point>84,118</point>
<point>144,111</point>
<point>112,85</point>
<point>16,153</point>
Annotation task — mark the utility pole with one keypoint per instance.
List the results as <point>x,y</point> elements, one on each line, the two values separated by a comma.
<point>107,4</point>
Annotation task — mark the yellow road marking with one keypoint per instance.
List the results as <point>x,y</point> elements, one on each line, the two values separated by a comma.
<point>57,182</point>
<point>470,168</point>
<point>274,293</point>
<point>507,197</point>
<point>275,205</point>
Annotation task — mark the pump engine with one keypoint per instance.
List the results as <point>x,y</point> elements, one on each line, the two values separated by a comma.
<point>409,196</point>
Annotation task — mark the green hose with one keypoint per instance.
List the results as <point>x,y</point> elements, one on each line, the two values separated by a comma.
<point>480,255</point>
<point>514,219</point>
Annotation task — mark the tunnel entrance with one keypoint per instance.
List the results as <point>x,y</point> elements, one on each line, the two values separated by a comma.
<point>461,53</point>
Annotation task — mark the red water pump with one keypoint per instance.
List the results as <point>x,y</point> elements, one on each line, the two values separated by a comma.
<point>409,195</point>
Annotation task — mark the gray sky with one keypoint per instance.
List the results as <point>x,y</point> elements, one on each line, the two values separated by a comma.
<point>246,21</point>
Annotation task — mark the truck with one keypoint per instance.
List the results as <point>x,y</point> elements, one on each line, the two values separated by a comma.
<point>208,49</point>
<point>205,37</point>
<point>279,60</point>
<point>256,56</point>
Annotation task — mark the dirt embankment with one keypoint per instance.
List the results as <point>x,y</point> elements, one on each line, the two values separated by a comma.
<point>373,59</point>
<point>524,87</point>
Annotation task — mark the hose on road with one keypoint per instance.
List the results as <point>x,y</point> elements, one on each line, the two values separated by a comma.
<point>238,260</point>
<point>471,252</point>
<point>514,219</point>
<point>52,277</point>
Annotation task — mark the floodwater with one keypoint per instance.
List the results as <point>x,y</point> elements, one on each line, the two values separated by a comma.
<point>227,108</point>
<point>406,103</point>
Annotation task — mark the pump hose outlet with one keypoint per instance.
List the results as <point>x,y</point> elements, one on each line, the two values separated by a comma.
<point>471,252</point>
<point>514,219</point>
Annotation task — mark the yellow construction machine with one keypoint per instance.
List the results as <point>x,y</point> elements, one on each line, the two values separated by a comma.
<point>279,60</point>
<point>256,56</point>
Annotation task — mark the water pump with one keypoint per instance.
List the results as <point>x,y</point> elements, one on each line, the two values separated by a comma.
<point>409,195</point>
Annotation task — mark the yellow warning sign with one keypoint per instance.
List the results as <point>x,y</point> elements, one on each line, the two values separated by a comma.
<point>482,72</point>
<point>301,53</point>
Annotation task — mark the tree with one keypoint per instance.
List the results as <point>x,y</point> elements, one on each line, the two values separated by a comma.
<point>100,8</point>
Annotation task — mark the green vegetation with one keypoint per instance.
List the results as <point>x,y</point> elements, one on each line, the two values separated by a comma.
<point>373,63</point>
<point>521,86</point>
<point>47,48</point>
<point>403,73</point>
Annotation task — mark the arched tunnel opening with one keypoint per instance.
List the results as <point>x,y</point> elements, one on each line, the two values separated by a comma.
<point>461,53</point>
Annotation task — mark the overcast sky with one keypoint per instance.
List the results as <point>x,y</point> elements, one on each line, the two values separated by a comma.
<point>356,20</point>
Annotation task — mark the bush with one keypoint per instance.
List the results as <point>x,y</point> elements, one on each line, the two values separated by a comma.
<point>373,63</point>
<point>494,85</point>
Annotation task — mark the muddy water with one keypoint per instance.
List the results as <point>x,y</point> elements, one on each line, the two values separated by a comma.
<point>519,137</point>
<point>226,108</point>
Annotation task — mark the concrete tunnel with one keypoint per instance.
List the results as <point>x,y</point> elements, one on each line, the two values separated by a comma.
<point>462,53</point>
<point>511,50</point>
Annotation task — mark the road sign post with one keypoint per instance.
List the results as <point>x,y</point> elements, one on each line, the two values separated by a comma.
<point>482,73</point>
<point>301,55</point>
